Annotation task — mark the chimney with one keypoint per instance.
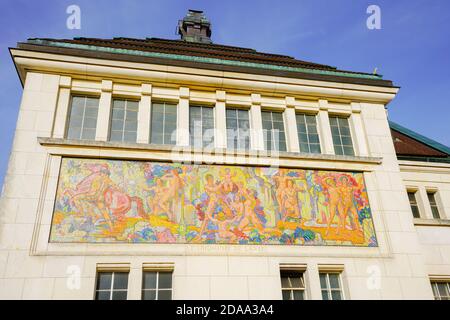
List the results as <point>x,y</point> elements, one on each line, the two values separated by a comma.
<point>195,27</point>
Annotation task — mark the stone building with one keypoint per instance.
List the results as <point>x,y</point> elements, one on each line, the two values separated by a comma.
<point>183,169</point>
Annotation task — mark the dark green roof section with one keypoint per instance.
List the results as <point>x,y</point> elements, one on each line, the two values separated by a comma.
<point>46,42</point>
<point>417,136</point>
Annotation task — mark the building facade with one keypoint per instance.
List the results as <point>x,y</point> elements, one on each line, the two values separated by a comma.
<point>183,169</point>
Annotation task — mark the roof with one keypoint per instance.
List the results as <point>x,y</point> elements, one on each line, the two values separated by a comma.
<point>414,146</point>
<point>207,55</point>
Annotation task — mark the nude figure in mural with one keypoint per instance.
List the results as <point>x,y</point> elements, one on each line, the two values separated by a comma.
<point>333,202</point>
<point>280,180</point>
<point>347,205</point>
<point>212,189</point>
<point>158,203</point>
<point>175,187</point>
<point>291,203</point>
<point>249,214</point>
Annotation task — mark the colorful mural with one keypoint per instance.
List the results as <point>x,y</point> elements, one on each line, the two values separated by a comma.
<point>148,202</point>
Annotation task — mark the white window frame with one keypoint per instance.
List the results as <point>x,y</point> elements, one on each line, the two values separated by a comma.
<point>328,289</point>
<point>111,289</point>
<point>156,289</point>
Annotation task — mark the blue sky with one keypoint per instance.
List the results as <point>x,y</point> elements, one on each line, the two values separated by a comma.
<point>412,48</point>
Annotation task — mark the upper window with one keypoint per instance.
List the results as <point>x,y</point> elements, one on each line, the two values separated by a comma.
<point>124,120</point>
<point>433,204</point>
<point>201,126</point>
<point>273,130</point>
<point>342,139</point>
<point>292,285</point>
<point>164,123</point>
<point>308,137</point>
<point>83,118</point>
<point>238,129</point>
<point>413,204</point>
<point>157,285</point>
<point>111,286</point>
<point>441,290</point>
<point>330,283</point>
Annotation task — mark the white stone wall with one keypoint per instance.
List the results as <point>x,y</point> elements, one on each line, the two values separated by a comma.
<point>30,267</point>
<point>434,235</point>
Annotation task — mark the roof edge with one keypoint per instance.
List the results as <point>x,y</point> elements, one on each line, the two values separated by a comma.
<point>204,59</point>
<point>417,136</point>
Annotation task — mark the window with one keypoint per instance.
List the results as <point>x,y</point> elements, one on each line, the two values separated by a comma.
<point>433,204</point>
<point>238,129</point>
<point>273,130</point>
<point>330,282</point>
<point>124,120</point>
<point>111,286</point>
<point>441,290</point>
<point>164,123</point>
<point>83,118</point>
<point>413,204</point>
<point>308,137</point>
<point>342,140</point>
<point>292,285</point>
<point>157,285</point>
<point>201,126</point>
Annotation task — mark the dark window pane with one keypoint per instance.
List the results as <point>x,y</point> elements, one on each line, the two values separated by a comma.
<point>119,295</point>
<point>164,294</point>
<point>286,294</point>
<point>348,151</point>
<point>325,295</point>
<point>165,280</point>
<point>334,281</point>
<point>120,280</point>
<point>104,280</point>
<point>336,295</point>
<point>148,294</point>
<point>149,281</point>
<point>323,280</point>
<point>103,295</point>
<point>299,295</point>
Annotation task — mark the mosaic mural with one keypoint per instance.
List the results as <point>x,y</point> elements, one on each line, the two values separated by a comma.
<point>147,202</point>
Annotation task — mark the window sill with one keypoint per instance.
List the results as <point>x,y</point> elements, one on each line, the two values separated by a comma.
<point>432,222</point>
<point>57,142</point>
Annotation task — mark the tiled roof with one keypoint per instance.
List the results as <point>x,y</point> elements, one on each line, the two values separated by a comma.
<point>211,56</point>
<point>410,143</point>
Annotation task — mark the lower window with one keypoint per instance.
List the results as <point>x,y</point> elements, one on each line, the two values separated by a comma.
<point>111,286</point>
<point>157,285</point>
<point>441,290</point>
<point>331,285</point>
<point>293,285</point>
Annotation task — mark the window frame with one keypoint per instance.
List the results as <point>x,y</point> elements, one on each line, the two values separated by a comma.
<point>126,100</point>
<point>436,213</point>
<point>434,284</point>
<point>341,144</point>
<point>237,109</point>
<point>213,142</point>
<point>414,194</point>
<point>165,103</point>
<point>305,115</point>
<point>287,273</point>
<point>69,115</point>
<point>111,289</point>
<point>272,149</point>
<point>157,289</point>
<point>328,289</point>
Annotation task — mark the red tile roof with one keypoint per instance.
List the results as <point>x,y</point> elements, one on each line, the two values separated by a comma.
<point>407,146</point>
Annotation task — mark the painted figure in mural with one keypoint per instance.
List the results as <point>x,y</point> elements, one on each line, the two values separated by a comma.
<point>158,201</point>
<point>280,180</point>
<point>290,200</point>
<point>250,217</point>
<point>347,206</point>
<point>212,189</point>
<point>99,192</point>
<point>174,191</point>
<point>333,201</point>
